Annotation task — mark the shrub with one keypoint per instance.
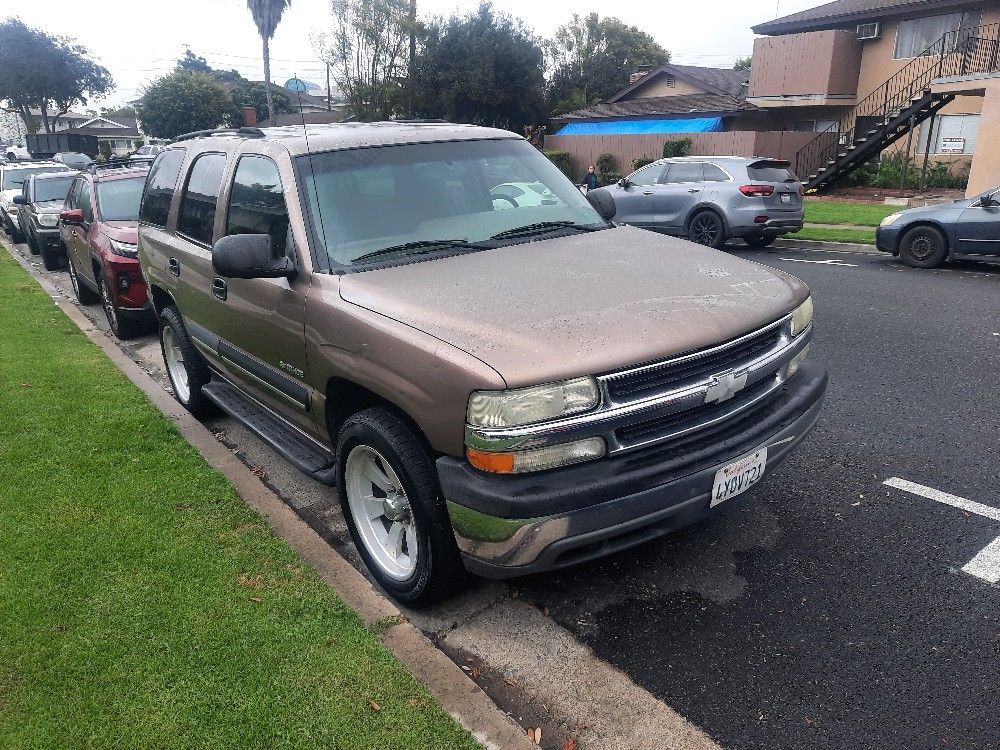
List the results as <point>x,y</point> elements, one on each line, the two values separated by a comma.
<point>680,147</point>
<point>564,163</point>
<point>641,161</point>
<point>887,170</point>
<point>609,178</point>
<point>607,169</point>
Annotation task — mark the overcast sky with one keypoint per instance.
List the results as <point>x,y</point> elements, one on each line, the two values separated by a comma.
<point>711,32</point>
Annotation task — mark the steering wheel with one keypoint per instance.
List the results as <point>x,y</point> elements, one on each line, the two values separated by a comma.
<point>502,197</point>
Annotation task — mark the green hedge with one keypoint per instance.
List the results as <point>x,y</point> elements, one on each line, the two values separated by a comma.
<point>563,161</point>
<point>680,147</point>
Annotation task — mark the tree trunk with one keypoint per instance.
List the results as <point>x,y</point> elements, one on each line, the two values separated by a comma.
<point>43,108</point>
<point>267,81</point>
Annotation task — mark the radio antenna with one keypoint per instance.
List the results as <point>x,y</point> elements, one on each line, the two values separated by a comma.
<point>315,212</point>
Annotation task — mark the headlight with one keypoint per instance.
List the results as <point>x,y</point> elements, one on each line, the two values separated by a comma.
<point>517,462</point>
<point>802,316</point>
<point>891,218</point>
<point>535,404</point>
<point>48,220</point>
<point>126,249</point>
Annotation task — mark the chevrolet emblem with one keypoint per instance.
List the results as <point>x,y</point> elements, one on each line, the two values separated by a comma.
<point>724,386</point>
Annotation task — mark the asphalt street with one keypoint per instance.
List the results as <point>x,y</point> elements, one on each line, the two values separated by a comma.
<point>824,609</point>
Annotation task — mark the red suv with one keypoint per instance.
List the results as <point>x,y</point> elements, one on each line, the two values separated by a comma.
<point>98,225</point>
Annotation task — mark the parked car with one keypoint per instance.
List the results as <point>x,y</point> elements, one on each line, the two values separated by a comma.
<point>73,160</point>
<point>98,226</point>
<point>15,153</point>
<point>517,194</point>
<point>41,199</point>
<point>501,391</point>
<point>711,199</point>
<point>12,176</point>
<point>926,237</point>
<point>149,150</point>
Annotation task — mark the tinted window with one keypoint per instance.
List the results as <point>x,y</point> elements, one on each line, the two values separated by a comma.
<point>647,175</point>
<point>683,171</point>
<point>118,200</point>
<point>771,172</point>
<point>160,187</point>
<point>257,203</point>
<point>52,189</point>
<point>201,195</point>
<point>714,173</point>
<point>14,177</point>
<point>85,204</point>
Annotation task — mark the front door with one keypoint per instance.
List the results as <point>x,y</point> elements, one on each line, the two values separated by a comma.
<point>680,189</point>
<point>634,202</point>
<point>978,229</point>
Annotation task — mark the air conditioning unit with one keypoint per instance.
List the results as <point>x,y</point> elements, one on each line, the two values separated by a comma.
<point>869,31</point>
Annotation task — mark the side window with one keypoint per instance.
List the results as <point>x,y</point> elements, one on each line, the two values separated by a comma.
<point>201,196</point>
<point>73,196</point>
<point>715,173</point>
<point>257,202</point>
<point>85,205</point>
<point>647,175</point>
<point>160,185</point>
<point>684,171</point>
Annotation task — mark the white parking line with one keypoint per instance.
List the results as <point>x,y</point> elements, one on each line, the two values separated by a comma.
<point>985,565</point>
<point>831,262</point>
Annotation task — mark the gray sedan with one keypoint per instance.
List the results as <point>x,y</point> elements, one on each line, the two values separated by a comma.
<point>926,237</point>
<point>710,199</point>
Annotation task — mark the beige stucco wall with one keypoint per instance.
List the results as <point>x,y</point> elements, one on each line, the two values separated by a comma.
<point>657,86</point>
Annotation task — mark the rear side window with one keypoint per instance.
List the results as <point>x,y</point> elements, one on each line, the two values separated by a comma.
<point>201,196</point>
<point>257,202</point>
<point>160,187</point>
<point>684,171</point>
<point>715,173</point>
<point>763,171</point>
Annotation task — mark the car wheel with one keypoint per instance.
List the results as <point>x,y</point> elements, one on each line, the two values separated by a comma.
<point>186,369</point>
<point>706,228</point>
<point>123,328</point>
<point>923,247</point>
<point>759,242</point>
<point>394,509</point>
<point>83,293</point>
<point>27,238</point>
<point>52,256</point>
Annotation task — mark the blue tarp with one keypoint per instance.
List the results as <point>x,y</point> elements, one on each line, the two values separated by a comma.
<point>632,127</point>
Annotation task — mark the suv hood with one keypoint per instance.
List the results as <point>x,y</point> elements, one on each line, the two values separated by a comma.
<point>579,304</point>
<point>123,231</point>
<point>49,207</point>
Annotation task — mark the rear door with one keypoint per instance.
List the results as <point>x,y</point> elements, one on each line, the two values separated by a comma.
<point>978,229</point>
<point>634,203</point>
<point>680,189</point>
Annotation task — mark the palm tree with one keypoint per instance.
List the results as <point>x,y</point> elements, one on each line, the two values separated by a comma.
<point>267,15</point>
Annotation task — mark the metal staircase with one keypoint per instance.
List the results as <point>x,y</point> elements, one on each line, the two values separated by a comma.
<point>897,107</point>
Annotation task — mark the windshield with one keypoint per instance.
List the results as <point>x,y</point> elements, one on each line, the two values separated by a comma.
<point>118,200</point>
<point>52,188</point>
<point>362,201</point>
<point>12,178</point>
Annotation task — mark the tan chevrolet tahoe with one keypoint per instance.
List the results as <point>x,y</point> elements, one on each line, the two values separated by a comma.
<point>433,319</point>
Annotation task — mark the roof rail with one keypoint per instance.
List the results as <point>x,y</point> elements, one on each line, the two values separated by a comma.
<point>246,132</point>
<point>421,121</point>
<point>119,164</point>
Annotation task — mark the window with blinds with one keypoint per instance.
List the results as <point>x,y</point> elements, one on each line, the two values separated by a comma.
<point>953,134</point>
<point>914,36</point>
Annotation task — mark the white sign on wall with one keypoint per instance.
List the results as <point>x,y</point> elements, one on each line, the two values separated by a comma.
<point>952,146</point>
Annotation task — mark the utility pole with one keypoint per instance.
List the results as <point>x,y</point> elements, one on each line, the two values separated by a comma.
<point>411,82</point>
<point>329,91</point>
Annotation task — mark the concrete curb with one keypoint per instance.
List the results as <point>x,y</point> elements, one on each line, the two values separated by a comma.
<point>457,694</point>
<point>830,247</point>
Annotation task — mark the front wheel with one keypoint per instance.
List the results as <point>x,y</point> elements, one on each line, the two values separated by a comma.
<point>123,328</point>
<point>923,247</point>
<point>52,257</point>
<point>394,510</point>
<point>706,228</point>
<point>185,367</point>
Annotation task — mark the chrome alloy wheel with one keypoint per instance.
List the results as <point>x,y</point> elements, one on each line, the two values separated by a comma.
<point>109,305</point>
<point>174,359</point>
<point>382,512</point>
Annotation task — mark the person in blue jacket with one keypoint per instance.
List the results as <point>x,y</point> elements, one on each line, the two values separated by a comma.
<point>590,179</point>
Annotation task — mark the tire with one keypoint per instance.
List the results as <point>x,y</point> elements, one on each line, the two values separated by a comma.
<point>760,242</point>
<point>84,294</point>
<point>123,328</point>
<point>435,570</point>
<point>923,247</point>
<point>52,257</point>
<point>706,228</point>
<point>28,239</point>
<point>186,369</point>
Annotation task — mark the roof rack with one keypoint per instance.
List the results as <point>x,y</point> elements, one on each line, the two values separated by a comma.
<point>130,163</point>
<point>246,132</point>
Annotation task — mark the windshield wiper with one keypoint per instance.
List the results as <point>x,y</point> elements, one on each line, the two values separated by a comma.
<point>418,247</point>
<point>542,226</point>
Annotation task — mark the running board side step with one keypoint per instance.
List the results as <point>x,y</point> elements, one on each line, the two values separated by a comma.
<point>303,452</point>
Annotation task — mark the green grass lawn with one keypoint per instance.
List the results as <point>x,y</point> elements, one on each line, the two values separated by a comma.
<point>142,604</point>
<point>859,236</point>
<point>858,214</point>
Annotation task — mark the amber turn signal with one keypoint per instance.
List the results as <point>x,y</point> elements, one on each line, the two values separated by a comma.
<point>501,463</point>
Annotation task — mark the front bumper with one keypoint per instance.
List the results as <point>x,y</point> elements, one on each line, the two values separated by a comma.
<point>507,526</point>
<point>46,236</point>
<point>886,238</point>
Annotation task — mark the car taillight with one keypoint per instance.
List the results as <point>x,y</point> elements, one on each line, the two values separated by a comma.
<point>752,190</point>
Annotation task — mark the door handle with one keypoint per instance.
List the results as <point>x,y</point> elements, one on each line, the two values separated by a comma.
<point>175,266</point>
<point>647,192</point>
<point>694,190</point>
<point>219,288</point>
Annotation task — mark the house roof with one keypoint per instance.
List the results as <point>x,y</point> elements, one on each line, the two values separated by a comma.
<point>846,13</point>
<point>685,104</point>
<point>123,132</point>
<point>722,81</point>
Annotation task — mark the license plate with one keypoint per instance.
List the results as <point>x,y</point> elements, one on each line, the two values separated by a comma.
<point>739,476</point>
<point>786,197</point>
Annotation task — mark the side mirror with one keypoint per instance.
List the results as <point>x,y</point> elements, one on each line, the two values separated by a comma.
<point>623,183</point>
<point>71,216</point>
<point>986,201</point>
<point>20,200</point>
<point>603,202</point>
<point>248,256</point>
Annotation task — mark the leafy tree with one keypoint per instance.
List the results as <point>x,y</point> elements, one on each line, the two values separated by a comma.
<point>367,51</point>
<point>192,63</point>
<point>181,102</point>
<point>124,111</point>
<point>242,92</point>
<point>483,68</point>
<point>591,58</point>
<point>49,73</point>
<point>742,63</point>
<point>267,15</point>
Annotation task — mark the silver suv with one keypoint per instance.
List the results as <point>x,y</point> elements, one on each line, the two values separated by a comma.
<point>710,199</point>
